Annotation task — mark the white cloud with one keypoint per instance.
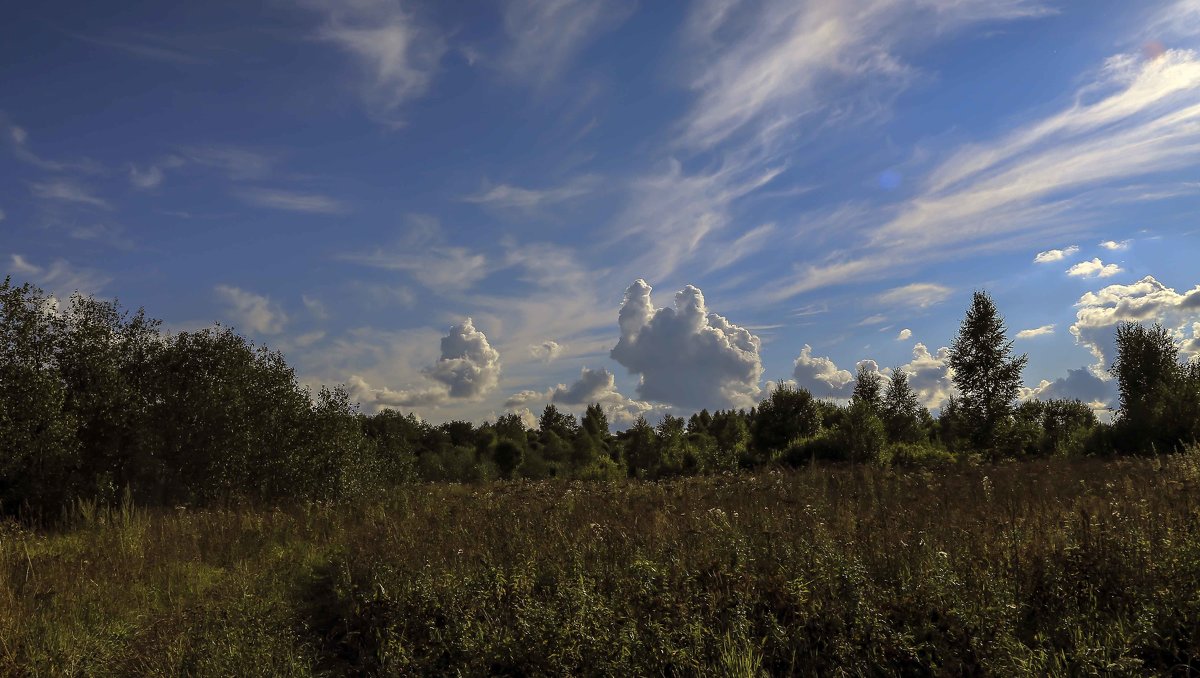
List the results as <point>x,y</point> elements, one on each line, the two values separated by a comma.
<point>508,196</point>
<point>686,356</point>
<point>59,277</point>
<point>467,370</point>
<point>593,386</point>
<point>315,307</point>
<point>238,163</point>
<point>930,375</point>
<point>820,376</point>
<point>1113,245</point>
<point>1036,332</point>
<point>253,312</point>
<point>920,295</point>
<point>1093,269</point>
<point>150,178</point>
<point>1080,384</point>
<point>67,191</point>
<point>398,53</point>
<point>761,65</point>
<point>1145,301</point>
<point>436,267</point>
<point>905,334</point>
<point>1055,255</point>
<point>291,201</point>
<point>1136,118</point>
<point>545,36</point>
<point>2,215</point>
<point>546,351</point>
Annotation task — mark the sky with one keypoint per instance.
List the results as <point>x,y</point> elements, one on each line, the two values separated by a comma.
<point>469,209</point>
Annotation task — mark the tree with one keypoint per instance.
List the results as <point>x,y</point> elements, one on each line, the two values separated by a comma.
<point>1160,396</point>
<point>508,456</point>
<point>787,414</point>
<point>901,409</point>
<point>987,374</point>
<point>868,389</point>
<point>641,449</point>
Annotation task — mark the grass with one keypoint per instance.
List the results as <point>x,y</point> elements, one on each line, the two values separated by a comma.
<point>1041,567</point>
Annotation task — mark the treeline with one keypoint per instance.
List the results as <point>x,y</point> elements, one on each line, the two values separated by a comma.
<point>97,401</point>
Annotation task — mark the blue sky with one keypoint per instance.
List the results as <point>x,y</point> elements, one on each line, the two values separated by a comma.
<point>351,181</point>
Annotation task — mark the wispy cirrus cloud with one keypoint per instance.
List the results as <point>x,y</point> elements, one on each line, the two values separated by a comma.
<point>545,36</point>
<point>512,197</point>
<point>397,52</point>
<point>1138,117</point>
<point>59,276</point>
<point>760,65</point>
<point>66,190</point>
<point>291,201</point>
<point>1042,331</point>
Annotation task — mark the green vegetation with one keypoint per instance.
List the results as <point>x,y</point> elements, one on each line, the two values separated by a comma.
<point>1058,566</point>
<point>177,504</point>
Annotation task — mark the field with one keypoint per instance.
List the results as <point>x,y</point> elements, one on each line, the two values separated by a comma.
<point>1050,566</point>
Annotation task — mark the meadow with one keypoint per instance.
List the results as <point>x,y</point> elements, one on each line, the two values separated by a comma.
<point>1049,566</point>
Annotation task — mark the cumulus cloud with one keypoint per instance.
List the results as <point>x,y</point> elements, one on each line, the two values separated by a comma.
<point>930,375</point>
<point>1080,384</point>
<point>820,376</point>
<point>1055,255</point>
<point>1093,269</point>
<point>1036,332</point>
<point>251,311</point>
<point>905,334</point>
<point>593,386</point>
<point>1113,245</point>
<point>686,355</point>
<point>1145,301</point>
<point>546,351</point>
<point>920,295</point>
<point>468,370</point>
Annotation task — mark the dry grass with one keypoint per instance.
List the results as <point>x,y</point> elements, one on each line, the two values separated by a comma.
<point>1053,566</point>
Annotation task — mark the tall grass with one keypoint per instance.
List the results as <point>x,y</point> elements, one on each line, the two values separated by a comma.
<point>1053,566</point>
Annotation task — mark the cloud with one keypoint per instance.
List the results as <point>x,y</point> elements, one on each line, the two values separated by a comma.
<point>290,201</point>
<point>904,335</point>
<point>108,234</point>
<point>593,386</point>
<point>545,36</point>
<point>397,53</point>
<point>760,66</point>
<point>238,163</point>
<point>1055,255</point>
<point>467,370</point>
<point>1135,118</point>
<point>930,375</point>
<point>919,295</point>
<point>1036,332</point>
<point>59,277</point>
<point>148,46</point>
<point>150,178</point>
<point>1114,246</point>
<point>20,144</point>
<point>315,307</point>
<point>2,215</point>
<point>1145,301</point>
<point>67,191</point>
<point>546,351</point>
<point>508,196</point>
<point>1080,384</point>
<point>435,267</point>
<point>820,376</point>
<point>686,356</point>
<point>253,312</point>
<point>1093,269</point>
